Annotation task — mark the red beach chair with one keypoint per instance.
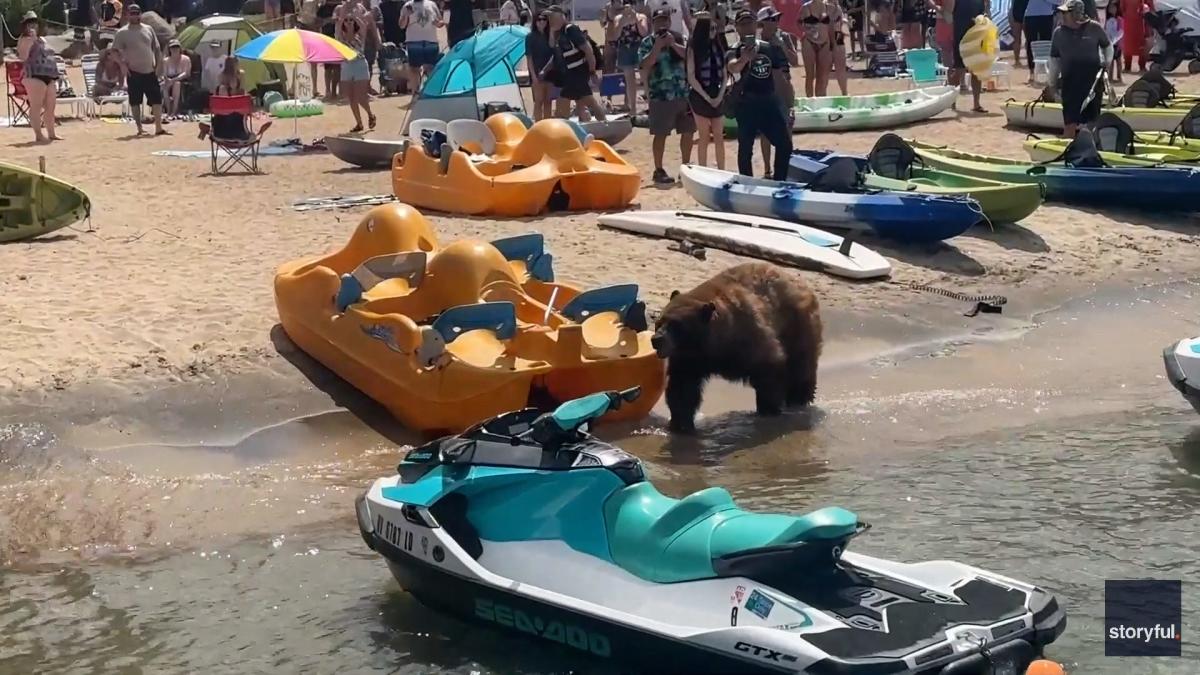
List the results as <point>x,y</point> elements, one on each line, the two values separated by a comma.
<point>232,130</point>
<point>18,98</point>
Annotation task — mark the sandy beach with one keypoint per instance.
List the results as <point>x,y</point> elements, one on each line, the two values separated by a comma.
<point>171,278</point>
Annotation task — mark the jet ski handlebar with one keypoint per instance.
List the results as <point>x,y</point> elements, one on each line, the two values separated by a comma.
<point>563,425</point>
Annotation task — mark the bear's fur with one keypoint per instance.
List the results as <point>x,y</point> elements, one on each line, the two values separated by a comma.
<point>752,323</point>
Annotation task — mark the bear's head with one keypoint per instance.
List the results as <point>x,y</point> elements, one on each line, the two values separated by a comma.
<point>682,328</point>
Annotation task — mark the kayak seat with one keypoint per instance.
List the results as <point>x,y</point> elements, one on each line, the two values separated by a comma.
<point>892,157</point>
<point>527,254</point>
<point>841,174</point>
<point>1142,94</point>
<point>1081,152</point>
<point>1189,126</point>
<point>1113,134</point>
<point>667,540</point>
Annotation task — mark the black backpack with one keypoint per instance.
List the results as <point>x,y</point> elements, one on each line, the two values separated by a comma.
<point>841,175</point>
<point>1082,152</point>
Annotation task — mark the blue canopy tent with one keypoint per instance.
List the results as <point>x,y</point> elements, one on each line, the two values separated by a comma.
<point>479,70</point>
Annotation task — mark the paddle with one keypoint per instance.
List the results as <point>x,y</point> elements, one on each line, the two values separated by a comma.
<point>844,248</point>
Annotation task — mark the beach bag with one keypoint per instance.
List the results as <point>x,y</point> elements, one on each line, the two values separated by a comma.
<point>980,47</point>
<point>432,141</point>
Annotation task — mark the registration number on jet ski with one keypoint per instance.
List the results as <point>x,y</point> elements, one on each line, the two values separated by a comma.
<point>567,634</point>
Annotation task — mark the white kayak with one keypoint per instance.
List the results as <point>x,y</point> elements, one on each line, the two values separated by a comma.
<point>364,152</point>
<point>869,111</point>
<point>613,130</point>
<point>755,237</point>
<point>1048,116</point>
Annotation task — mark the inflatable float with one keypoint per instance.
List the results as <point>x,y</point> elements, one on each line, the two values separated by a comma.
<point>979,47</point>
<point>500,168</point>
<point>444,337</point>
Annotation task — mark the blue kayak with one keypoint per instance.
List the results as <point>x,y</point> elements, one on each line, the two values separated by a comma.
<point>1159,188</point>
<point>828,203</point>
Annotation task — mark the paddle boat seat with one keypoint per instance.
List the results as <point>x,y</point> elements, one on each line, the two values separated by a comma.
<point>667,540</point>
<point>527,255</point>
<point>477,334</point>
<point>394,274</point>
<point>471,136</point>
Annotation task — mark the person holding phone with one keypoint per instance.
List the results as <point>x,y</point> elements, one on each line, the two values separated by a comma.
<point>757,68</point>
<point>662,61</point>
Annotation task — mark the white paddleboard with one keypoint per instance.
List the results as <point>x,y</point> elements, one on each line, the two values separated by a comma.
<point>769,239</point>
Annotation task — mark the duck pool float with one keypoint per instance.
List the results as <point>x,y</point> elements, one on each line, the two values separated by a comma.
<point>444,337</point>
<point>500,168</point>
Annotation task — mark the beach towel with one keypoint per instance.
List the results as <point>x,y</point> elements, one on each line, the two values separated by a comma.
<point>316,203</point>
<point>205,154</point>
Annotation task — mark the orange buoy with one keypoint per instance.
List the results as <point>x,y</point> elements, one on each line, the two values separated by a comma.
<point>1044,667</point>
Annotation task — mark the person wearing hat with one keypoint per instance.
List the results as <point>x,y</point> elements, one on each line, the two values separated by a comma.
<point>661,59</point>
<point>40,78</point>
<point>680,12</point>
<point>1079,52</point>
<point>138,46</point>
<point>177,70</point>
<point>572,66</point>
<point>757,96</point>
<point>768,27</point>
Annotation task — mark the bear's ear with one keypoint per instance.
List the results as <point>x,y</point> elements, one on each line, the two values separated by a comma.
<point>708,311</point>
<point>673,294</point>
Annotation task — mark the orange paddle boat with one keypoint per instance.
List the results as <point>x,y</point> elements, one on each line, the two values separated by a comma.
<point>500,168</point>
<point>444,337</point>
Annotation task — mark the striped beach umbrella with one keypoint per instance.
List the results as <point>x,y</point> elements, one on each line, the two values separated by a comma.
<point>293,45</point>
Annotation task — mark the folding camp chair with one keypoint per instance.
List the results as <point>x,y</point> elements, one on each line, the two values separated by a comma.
<point>81,105</point>
<point>227,112</point>
<point>18,99</point>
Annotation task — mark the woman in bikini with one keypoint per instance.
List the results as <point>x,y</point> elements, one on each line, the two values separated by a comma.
<point>40,77</point>
<point>177,70</point>
<point>817,18</point>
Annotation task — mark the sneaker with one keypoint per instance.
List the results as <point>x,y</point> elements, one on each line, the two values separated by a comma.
<point>661,177</point>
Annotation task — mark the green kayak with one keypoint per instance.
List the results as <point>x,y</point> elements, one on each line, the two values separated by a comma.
<point>893,165</point>
<point>33,203</point>
<point>1143,154</point>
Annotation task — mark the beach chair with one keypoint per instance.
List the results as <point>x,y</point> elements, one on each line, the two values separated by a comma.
<point>1041,60</point>
<point>81,105</point>
<point>923,67</point>
<point>89,63</point>
<point>228,112</point>
<point>18,99</point>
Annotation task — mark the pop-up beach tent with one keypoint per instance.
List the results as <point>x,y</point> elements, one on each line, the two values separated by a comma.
<point>231,32</point>
<point>479,70</point>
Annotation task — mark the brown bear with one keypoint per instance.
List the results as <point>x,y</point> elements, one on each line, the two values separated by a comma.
<point>752,323</point>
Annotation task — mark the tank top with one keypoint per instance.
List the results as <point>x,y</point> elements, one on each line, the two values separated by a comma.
<point>40,61</point>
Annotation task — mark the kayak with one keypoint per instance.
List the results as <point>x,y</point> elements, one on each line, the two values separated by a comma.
<point>1168,138</point>
<point>33,203</point>
<point>1147,154</point>
<point>904,216</point>
<point>1001,202</point>
<point>1048,116</point>
<point>869,111</point>
<point>1162,188</point>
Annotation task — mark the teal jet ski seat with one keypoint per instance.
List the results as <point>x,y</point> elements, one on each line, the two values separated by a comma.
<point>668,540</point>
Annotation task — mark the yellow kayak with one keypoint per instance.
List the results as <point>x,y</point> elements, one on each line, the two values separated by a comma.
<point>1045,150</point>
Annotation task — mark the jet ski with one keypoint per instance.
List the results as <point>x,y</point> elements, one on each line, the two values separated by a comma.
<point>529,523</point>
<point>1182,360</point>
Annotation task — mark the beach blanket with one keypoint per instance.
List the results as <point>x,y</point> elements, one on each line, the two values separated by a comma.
<point>315,203</point>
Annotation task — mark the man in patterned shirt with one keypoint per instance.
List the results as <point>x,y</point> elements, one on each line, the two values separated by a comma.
<point>662,57</point>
